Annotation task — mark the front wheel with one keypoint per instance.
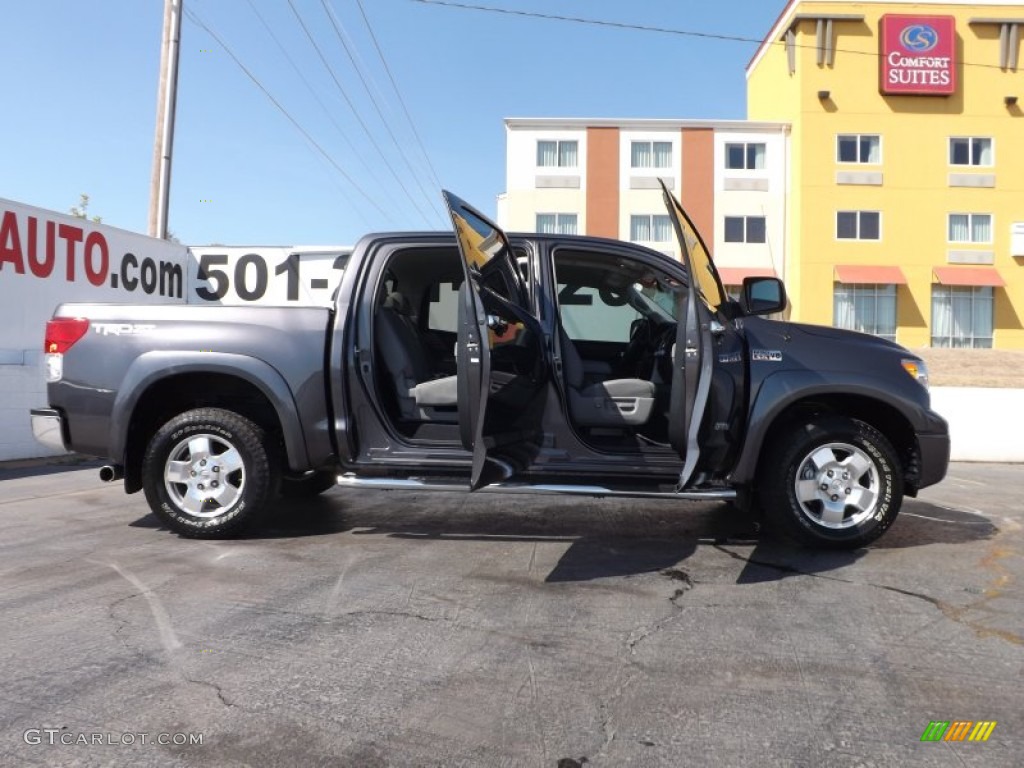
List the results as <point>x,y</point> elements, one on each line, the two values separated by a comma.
<point>833,482</point>
<point>208,473</point>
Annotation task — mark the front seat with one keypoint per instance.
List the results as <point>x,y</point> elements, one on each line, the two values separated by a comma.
<point>613,403</point>
<point>421,395</point>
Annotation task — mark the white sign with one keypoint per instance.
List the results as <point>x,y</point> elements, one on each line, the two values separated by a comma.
<point>48,258</point>
<point>1017,238</point>
<point>261,275</point>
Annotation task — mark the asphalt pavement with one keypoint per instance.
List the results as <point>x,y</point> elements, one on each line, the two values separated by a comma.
<point>387,628</point>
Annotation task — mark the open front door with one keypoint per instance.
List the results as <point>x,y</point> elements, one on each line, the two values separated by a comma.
<point>693,358</point>
<point>502,370</point>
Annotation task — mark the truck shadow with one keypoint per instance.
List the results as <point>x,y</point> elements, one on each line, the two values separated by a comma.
<point>607,538</point>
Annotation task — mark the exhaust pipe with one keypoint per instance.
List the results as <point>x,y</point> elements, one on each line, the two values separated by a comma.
<point>110,473</point>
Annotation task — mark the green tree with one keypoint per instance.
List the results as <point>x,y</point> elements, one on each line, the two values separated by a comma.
<point>81,211</point>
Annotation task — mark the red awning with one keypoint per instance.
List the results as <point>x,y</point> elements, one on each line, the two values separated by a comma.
<point>987,276</point>
<point>735,275</point>
<point>856,274</point>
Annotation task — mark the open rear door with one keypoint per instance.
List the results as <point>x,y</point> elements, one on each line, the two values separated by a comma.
<point>502,370</point>
<point>693,359</point>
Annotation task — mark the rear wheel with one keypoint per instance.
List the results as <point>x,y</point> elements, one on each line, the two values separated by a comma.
<point>836,483</point>
<point>208,473</point>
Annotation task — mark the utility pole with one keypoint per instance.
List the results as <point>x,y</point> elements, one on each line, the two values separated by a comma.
<point>160,181</point>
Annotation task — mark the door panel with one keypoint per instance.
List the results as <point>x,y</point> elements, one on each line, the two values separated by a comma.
<point>693,357</point>
<point>502,366</point>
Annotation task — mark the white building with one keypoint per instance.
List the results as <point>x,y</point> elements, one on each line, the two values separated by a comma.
<point>599,176</point>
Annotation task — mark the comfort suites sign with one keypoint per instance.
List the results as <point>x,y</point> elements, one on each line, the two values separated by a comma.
<point>918,55</point>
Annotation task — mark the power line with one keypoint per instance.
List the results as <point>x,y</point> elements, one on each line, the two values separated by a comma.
<point>355,112</point>
<point>199,22</point>
<point>308,85</point>
<point>646,28</point>
<point>580,20</point>
<point>398,93</point>
<point>339,32</point>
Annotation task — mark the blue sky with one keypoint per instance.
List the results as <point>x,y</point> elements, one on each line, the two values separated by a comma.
<point>79,85</point>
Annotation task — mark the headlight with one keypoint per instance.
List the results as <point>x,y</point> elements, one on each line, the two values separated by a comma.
<point>917,369</point>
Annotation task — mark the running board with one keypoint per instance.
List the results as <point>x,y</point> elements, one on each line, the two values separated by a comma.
<point>419,484</point>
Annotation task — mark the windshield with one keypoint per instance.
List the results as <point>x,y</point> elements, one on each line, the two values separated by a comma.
<point>695,254</point>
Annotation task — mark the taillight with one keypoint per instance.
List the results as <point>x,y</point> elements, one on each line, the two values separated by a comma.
<point>63,332</point>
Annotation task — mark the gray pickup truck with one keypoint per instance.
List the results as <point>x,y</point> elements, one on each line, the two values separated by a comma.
<point>530,363</point>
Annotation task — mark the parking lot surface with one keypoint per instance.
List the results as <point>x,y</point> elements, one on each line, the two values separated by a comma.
<point>411,628</point>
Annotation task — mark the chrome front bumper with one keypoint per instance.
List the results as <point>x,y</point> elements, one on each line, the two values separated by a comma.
<point>48,428</point>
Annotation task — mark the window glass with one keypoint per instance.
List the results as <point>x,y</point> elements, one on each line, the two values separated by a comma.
<point>755,156</point>
<point>567,154</point>
<point>750,157</point>
<point>650,229</point>
<point>970,151</point>
<point>866,308</point>
<point>734,229</point>
<point>640,229</point>
<point>869,225</point>
<point>588,317</point>
<point>650,154</point>
<point>961,316</point>
<point>970,228</point>
<point>756,229</point>
<point>859,148</point>
<point>858,225</point>
<point>443,307</point>
<point>557,223</point>
<point>662,154</point>
<point>547,153</point>
<point>734,156</point>
<point>599,296</point>
<point>662,229</point>
<point>848,149</point>
<point>640,154</point>
<point>846,225</point>
<point>557,154</point>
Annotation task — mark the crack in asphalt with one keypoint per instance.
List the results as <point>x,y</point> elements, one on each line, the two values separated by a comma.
<point>378,612</point>
<point>955,613</point>
<point>209,684</point>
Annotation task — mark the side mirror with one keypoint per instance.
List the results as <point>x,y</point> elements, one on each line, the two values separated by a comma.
<point>763,295</point>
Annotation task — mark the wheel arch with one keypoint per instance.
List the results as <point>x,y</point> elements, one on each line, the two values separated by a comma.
<point>864,404</point>
<point>153,392</point>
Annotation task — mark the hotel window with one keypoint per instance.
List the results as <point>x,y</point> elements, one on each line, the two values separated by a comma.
<point>557,154</point>
<point>858,225</point>
<point>864,149</point>
<point>866,308</point>
<point>970,228</point>
<point>556,223</point>
<point>745,229</point>
<point>745,157</point>
<point>650,229</point>
<point>970,151</point>
<point>961,316</point>
<point>650,154</point>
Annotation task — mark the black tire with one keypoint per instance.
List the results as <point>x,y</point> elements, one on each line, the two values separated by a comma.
<point>846,509</point>
<point>238,470</point>
<point>308,486</point>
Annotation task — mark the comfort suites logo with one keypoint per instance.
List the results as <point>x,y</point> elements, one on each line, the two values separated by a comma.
<point>918,55</point>
<point>919,38</point>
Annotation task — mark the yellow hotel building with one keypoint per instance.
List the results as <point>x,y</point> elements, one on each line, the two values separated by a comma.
<point>906,190</point>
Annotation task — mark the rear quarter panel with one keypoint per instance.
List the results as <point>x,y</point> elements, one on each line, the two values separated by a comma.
<point>129,347</point>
